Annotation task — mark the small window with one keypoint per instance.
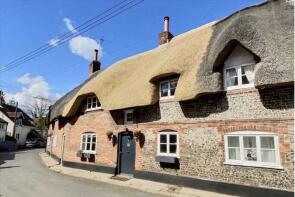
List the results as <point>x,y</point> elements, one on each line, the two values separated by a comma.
<point>128,116</point>
<point>92,103</point>
<point>17,136</point>
<point>1,126</point>
<point>167,89</point>
<point>88,143</point>
<point>18,121</point>
<point>168,144</point>
<point>239,76</point>
<point>252,149</point>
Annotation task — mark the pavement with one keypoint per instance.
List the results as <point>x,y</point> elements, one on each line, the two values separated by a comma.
<point>156,188</point>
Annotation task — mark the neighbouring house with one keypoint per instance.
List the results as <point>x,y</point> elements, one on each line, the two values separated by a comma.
<point>19,124</point>
<point>3,128</point>
<point>211,108</point>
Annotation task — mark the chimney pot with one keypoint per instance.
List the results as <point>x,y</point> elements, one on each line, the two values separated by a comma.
<point>95,55</point>
<point>166,24</point>
<point>165,36</point>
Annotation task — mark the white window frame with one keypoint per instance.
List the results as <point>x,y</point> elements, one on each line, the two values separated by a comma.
<point>89,100</point>
<point>169,89</point>
<point>125,116</point>
<point>167,133</point>
<point>239,75</point>
<point>258,163</point>
<point>91,142</point>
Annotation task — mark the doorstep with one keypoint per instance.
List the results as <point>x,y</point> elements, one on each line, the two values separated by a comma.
<point>134,183</point>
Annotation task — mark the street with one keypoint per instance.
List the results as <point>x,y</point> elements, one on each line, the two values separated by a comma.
<point>23,174</point>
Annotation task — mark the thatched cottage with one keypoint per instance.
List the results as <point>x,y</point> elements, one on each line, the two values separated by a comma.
<point>211,108</point>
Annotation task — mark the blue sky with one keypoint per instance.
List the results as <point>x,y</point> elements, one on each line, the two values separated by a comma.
<point>27,24</point>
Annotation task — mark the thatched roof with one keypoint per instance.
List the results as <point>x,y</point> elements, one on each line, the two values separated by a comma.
<point>266,30</point>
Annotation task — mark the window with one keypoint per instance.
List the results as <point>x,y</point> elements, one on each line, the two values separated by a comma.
<point>168,144</point>
<point>239,76</point>
<point>167,88</point>
<point>92,103</point>
<point>128,116</point>
<point>2,127</point>
<point>249,148</point>
<point>18,121</point>
<point>17,136</point>
<point>88,143</point>
<point>54,140</point>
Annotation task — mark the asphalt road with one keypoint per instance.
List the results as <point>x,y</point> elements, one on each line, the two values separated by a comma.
<point>22,174</point>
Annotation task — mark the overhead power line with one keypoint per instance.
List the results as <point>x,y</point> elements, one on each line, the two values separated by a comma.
<point>86,26</point>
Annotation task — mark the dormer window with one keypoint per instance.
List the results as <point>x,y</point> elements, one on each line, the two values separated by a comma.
<point>238,69</point>
<point>92,103</point>
<point>167,89</point>
<point>128,116</point>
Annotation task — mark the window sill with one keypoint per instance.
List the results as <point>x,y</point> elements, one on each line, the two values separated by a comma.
<point>93,109</point>
<point>167,99</point>
<point>279,167</point>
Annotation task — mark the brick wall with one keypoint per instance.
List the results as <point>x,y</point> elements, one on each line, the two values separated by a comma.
<point>201,124</point>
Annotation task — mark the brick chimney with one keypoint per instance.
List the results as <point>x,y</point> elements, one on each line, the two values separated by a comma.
<point>166,36</point>
<point>95,64</point>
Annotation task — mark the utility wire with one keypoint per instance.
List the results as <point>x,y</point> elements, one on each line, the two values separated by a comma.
<point>72,34</point>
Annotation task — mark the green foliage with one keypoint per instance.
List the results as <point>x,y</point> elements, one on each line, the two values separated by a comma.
<point>41,123</point>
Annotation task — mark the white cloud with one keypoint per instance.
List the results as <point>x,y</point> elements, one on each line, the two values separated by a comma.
<point>69,25</point>
<point>32,86</point>
<point>53,42</point>
<point>82,46</point>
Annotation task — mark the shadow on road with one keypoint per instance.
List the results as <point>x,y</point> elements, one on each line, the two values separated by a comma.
<point>4,156</point>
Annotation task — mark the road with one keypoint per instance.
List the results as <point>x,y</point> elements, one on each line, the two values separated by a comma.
<point>22,174</point>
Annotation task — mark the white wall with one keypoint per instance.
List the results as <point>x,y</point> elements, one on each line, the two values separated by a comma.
<point>239,56</point>
<point>3,133</point>
<point>23,132</point>
<point>10,123</point>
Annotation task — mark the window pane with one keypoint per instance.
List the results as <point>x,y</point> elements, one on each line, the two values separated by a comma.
<point>88,146</point>
<point>88,105</point>
<point>247,74</point>
<point>164,93</point>
<point>83,146</point>
<point>249,142</point>
<point>245,80</point>
<point>250,154</point>
<point>94,105</point>
<point>173,84</point>
<point>231,73</point>
<point>129,117</point>
<point>94,138</point>
<point>268,156</point>
<point>267,142</point>
<point>93,146</point>
<point>234,153</point>
<point>173,138</point>
<point>88,138</point>
<point>164,86</point>
<point>172,148</point>
<point>172,92</point>
<point>163,139</point>
<point>233,141</point>
<point>83,138</point>
<point>163,148</point>
<point>232,81</point>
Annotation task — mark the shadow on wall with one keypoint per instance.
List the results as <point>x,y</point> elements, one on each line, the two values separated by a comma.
<point>141,114</point>
<point>277,98</point>
<point>205,105</point>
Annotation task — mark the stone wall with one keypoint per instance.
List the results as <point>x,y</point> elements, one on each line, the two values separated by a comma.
<point>201,125</point>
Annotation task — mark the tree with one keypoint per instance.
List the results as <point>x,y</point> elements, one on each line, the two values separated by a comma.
<point>38,110</point>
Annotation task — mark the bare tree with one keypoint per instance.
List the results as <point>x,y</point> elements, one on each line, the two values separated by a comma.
<point>39,108</point>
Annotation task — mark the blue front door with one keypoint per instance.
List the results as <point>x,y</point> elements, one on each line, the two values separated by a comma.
<point>126,153</point>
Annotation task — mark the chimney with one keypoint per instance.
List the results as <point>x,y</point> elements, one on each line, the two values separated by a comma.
<point>165,36</point>
<point>95,64</point>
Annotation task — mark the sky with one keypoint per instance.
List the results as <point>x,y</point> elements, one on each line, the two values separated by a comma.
<point>25,25</point>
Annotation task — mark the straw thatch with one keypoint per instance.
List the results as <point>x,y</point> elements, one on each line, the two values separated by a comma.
<point>266,30</point>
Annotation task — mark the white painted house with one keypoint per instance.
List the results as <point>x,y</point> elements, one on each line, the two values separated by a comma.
<point>18,121</point>
<point>3,128</point>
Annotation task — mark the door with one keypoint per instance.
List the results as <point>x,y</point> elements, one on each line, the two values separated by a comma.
<point>126,153</point>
